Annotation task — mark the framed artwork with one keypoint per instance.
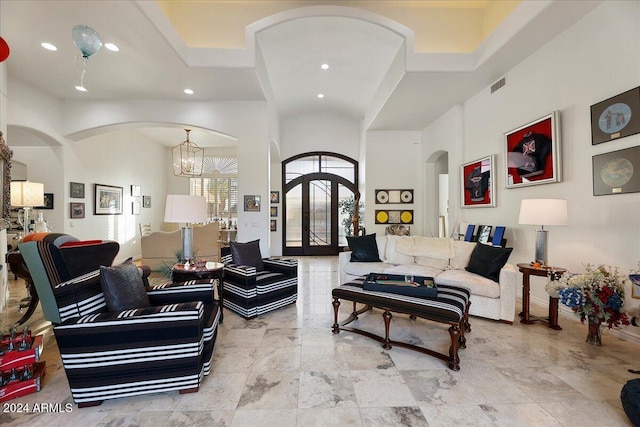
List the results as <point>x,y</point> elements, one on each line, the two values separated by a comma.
<point>533,153</point>
<point>478,183</point>
<point>273,225</point>
<point>136,191</point>
<point>77,210</point>
<point>394,196</point>
<point>146,201</point>
<point>616,117</point>
<point>613,173</point>
<point>76,190</point>
<point>135,207</point>
<point>48,201</point>
<point>107,200</point>
<point>394,217</point>
<point>273,211</point>
<point>274,196</point>
<point>484,232</point>
<point>252,203</point>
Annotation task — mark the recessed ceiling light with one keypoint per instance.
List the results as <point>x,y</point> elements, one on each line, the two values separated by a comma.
<point>81,88</point>
<point>325,66</point>
<point>112,47</point>
<point>188,91</point>
<point>321,95</point>
<point>48,46</point>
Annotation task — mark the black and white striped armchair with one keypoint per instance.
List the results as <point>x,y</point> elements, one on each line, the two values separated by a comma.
<point>250,292</point>
<point>106,355</point>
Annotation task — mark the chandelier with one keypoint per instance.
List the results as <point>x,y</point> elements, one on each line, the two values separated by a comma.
<point>187,158</point>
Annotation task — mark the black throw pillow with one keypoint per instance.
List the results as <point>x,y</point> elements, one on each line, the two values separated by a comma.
<point>488,260</point>
<point>363,248</point>
<point>247,254</point>
<point>123,287</point>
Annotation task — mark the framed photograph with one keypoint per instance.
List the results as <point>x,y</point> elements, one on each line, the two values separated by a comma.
<point>533,153</point>
<point>484,232</point>
<point>107,200</point>
<point>77,210</point>
<point>273,211</point>
<point>135,207</point>
<point>48,201</point>
<point>273,225</point>
<point>76,190</point>
<point>252,203</point>
<point>275,197</point>
<point>136,191</point>
<point>478,183</point>
<point>613,173</point>
<point>146,201</point>
<point>616,117</point>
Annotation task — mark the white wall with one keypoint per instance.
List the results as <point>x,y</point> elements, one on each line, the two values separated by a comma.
<point>597,58</point>
<point>393,162</point>
<point>319,132</point>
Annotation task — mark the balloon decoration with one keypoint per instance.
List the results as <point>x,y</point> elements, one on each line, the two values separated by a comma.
<point>86,39</point>
<point>4,49</point>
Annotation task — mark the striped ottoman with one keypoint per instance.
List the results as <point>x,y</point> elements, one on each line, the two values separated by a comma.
<point>450,306</point>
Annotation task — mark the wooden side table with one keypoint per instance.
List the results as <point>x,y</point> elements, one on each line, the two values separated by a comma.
<point>19,268</point>
<point>209,271</point>
<point>527,271</point>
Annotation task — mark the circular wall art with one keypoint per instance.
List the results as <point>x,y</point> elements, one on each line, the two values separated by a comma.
<point>617,172</point>
<point>382,217</point>
<point>382,196</point>
<point>615,117</point>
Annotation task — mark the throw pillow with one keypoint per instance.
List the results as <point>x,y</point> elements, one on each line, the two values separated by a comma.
<point>247,254</point>
<point>363,248</point>
<point>123,287</point>
<point>488,260</point>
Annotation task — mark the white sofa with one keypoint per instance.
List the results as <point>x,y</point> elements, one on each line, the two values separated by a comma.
<point>444,260</point>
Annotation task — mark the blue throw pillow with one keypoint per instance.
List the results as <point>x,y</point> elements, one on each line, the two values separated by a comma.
<point>363,248</point>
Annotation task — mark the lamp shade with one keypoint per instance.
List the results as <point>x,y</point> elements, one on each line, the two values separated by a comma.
<point>27,194</point>
<point>182,208</point>
<point>543,212</point>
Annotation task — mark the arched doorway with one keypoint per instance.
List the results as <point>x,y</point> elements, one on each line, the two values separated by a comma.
<point>313,185</point>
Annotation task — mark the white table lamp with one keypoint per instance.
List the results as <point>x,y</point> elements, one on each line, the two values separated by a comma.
<point>26,195</point>
<point>543,212</point>
<point>188,210</point>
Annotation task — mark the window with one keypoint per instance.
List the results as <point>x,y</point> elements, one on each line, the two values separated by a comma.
<point>221,195</point>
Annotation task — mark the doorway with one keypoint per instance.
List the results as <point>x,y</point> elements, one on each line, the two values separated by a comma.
<point>314,184</point>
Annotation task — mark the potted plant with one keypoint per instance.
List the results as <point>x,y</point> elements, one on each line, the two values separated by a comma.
<point>348,208</point>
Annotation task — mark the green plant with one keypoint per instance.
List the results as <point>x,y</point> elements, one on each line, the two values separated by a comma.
<point>166,266</point>
<point>348,207</point>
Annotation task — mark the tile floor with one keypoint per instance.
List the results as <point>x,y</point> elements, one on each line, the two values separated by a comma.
<point>288,369</point>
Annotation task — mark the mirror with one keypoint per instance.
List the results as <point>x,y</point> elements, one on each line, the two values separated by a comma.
<point>5,176</point>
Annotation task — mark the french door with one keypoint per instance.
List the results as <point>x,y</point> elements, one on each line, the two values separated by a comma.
<point>312,222</point>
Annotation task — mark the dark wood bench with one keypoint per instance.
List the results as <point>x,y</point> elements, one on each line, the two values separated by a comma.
<point>451,306</point>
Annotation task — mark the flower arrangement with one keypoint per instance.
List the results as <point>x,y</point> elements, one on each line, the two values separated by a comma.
<point>596,295</point>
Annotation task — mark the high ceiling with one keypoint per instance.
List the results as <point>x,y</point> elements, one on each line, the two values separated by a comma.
<point>392,64</point>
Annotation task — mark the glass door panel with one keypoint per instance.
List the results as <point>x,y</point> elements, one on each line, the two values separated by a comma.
<point>294,217</point>
<point>320,213</point>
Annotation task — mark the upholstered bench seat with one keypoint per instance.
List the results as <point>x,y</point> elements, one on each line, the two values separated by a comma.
<point>451,306</point>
